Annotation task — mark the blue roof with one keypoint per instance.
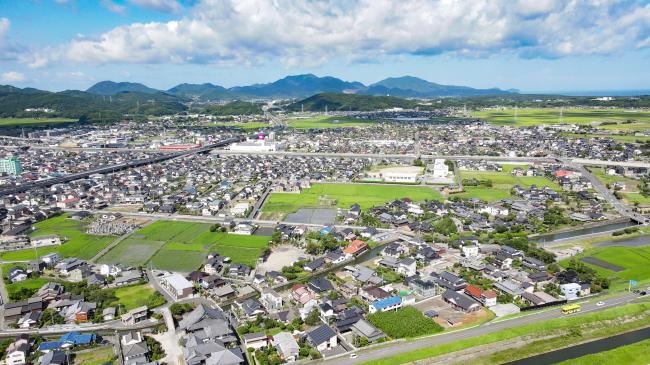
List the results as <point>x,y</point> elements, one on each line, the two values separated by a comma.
<point>52,345</point>
<point>386,302</point>
<point>76,338</point>
<point>326,230</point>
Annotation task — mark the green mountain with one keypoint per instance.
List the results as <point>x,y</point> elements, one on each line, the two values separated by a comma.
<point>85,105</point>
<point>112,88</point>
<point>298,86</point>
<point>334,102</point>
<point>409,86</point>
<point>234,108</point>
<point>201,92</point>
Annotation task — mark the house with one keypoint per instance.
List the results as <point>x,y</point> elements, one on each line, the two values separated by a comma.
<point>16,274</point>
<point>533,263</point>
<point>470,250</point>
<point>372,293</point>
<point>315,265</point>
<point>30,319</point>
<point>250,307</point>
<point>212,281</point>
<point>301,295</point>
<point>509,287</point>
<point>570,290</point>
<point>386,304</point>
<point>177,286</point>
<point>65,266</point>
<point>287,346</point>
<point>255,340</point>
<point>488,297</point>
<point>320,285</point>
<point>56,357</point>
<point>50,259</point>
<point>407,267</point>
<point>322,338</point>
<point>460,301</point>
<point>271,299</point>
<point>17,351</point>
<point>135,316</point>
<point>355,248</point>
<point>451,281</point>
<point>335,257</point>
<point>363,328</point>
<point>135,353</point>
<point>239,270</point>
<point>72,339</point>
<point>423,287</point>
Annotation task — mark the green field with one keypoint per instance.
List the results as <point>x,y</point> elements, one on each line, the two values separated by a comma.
<point>324,121</point>
<point>630,193</point>
<point>245,126</point>
<point>502,183</point>
<point>634,260</point>
<point>99,356</point>
<point>7,122</point>
<point>532,117</point>
<point>345,195</point>
<point>635,354</point>
<point>78,243</point>
<point>135,296</point>
<point>182,246</point>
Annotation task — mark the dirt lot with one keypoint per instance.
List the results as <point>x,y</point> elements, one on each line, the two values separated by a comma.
<point>280,257</point>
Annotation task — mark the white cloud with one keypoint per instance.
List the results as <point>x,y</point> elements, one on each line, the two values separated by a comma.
<point>113,7</point>
<point>165,6</point>
<point>306,32</point>
<point>4,27</point>
<point>12,76</point>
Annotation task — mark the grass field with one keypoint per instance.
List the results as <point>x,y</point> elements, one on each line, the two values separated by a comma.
<point>532,117</point>
<point>635,354</point>
<point>78,243</point>
<point>634,260</point>
<point>365,195</point>
<point>130,297</point>
<point>182,246</point>
<point>7,122</point>
<point>324,121</point>
<point>502,183</point>
<point>630,193</point>
<point>245,126</point>
<point>99,356</point>
<point>535,329</point>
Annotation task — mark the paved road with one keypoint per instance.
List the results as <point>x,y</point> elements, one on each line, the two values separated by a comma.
<point>490,327</point>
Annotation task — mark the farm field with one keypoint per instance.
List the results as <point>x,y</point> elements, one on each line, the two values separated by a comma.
<point>345,195</point>
<point>327,122</point>
<point>182,246</point>
<point>532,117</point>
<point>502,182</point>
<point>631,192</point>
<point>130,297</point>
<point>98,356</point>
<point>635,262</point>
<point>78,243</point>
<point>7,122</point>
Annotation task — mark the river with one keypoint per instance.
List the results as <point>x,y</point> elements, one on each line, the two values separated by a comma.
<point>581,232</point>
<point>592,347</point>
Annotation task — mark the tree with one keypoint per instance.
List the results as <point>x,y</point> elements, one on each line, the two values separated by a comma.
<point>313,318</point>
<point>51,317</point>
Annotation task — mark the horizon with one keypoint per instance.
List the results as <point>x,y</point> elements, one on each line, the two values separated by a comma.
<point>528,45</point>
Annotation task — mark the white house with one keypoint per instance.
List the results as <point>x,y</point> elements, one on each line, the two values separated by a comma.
<point>570,290</point>
<point>271,299</point>
<point>322,338</point>
<point>407,267</point>
<point>470,250</point>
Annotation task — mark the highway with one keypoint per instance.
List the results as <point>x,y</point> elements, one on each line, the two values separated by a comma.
<point>114,168</point>
<point>490,327</point>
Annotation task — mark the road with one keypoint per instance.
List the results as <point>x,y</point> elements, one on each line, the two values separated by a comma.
<point>621,208</point>
<point>490,327</point>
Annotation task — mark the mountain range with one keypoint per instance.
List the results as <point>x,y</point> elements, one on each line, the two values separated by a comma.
<point>302,86</point>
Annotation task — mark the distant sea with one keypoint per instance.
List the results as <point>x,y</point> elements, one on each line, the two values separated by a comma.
<point>594,92</point>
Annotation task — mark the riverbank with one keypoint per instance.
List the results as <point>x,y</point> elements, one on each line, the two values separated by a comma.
<point>591,326</point>
<point>638,353</point>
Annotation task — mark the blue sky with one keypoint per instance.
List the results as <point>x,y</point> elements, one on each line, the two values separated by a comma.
<point>531,45</point>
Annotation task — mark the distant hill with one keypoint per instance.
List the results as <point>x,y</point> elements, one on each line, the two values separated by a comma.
<point>298,86</point>
<point>334,102</point>
<point>202,92</point>
<point>86,106</point>
<point>409,86</point>
<point>234,108</point>
<point>112,88</point>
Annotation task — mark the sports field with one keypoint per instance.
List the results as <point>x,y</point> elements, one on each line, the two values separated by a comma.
<point>502,183</point>
<point>531,117</point>
<point>345,195</point>
<point>78,243</point>
<point>635,262</point>
<point>324,121</point>
<point>182,246</point>
<point>7,122</point>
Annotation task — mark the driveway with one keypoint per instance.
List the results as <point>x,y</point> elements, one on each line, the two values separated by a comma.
<point>169,340</point>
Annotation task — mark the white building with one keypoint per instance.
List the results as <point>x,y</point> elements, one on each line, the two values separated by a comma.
<point>260,145</point>
<point>440,169</point>
<point>470,250</point>
<point>48,240</point>
<point>176,285</point>
<point>239,209</point>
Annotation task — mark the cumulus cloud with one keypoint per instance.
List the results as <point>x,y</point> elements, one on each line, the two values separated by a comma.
<point>165,6</point>
<point>302,32</point>
<point>113,7</point>
<point>12,76</point>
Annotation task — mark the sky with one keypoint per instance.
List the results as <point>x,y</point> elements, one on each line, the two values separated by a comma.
<point>530,45</point>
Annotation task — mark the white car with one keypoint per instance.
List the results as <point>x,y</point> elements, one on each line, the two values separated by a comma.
<point>600,304</point>
<point>353,356</point>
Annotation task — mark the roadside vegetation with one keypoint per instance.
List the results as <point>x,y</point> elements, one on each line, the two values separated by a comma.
<point>406,322</point>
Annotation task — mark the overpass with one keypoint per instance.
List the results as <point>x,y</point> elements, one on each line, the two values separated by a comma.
<point>114,168</point>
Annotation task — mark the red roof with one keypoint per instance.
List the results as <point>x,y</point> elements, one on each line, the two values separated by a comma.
<point>560,173</point>
<point>489,294</point>
<point>355,247</point>
<point>473,291</point>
